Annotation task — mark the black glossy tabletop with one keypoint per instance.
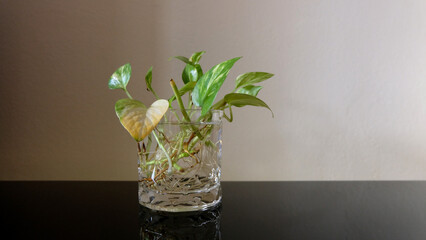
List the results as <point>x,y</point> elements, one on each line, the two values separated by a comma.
<point>249,210</point>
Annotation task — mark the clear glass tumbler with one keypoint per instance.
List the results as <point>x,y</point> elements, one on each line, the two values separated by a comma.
<point>179,164</point>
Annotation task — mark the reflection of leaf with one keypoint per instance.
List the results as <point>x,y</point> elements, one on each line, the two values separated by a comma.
<point>241,100</point>
<point>120,78</point>
<point>251,78</point>
<point>186,88</point>
<point>137,119</point>
<point>208,85</point>
<point>189,74</point>
<point>250,90</point>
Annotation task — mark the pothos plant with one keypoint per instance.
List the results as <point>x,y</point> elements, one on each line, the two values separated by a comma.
<point>202,88</point>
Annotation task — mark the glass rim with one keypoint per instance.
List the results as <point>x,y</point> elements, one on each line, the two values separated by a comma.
<point>178,111</point>
<point>193,109</point>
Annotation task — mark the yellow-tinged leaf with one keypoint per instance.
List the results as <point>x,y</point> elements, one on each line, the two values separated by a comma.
<point>154,115</point>
<point>137,119</point>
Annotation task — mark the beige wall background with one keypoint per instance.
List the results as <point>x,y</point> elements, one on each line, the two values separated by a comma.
<point>349,92</point>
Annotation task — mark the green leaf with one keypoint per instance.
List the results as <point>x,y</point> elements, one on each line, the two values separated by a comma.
<point>120,78</point>
<point>218,105</point>
<point>189,74</point>
<point>208,85</point>
<point>241,100</point>
<point>184,59</point>
<point>186,88</point>
<point>199,70</point>
<point>148,81</point>
<point>250,90</point>
<point>251,78</point>
<point>195,58</point>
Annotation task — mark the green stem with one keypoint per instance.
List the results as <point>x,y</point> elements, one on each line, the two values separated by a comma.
<point>155,94</point>
<point>230,113</point>
<point>179,99</point>
<point>219,105</point>
<point>174,112</point>
<point>179,168</point>
<point>169,170</point>
<point>182,107</point>
<point>180,144</point>
<point>189,100</point>
<point>148,145</point>
<point>128,94</point>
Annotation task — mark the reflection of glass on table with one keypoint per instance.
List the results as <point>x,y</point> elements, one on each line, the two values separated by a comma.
<point>186,225</point>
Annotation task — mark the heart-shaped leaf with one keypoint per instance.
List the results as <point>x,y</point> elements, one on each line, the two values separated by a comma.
<point>190,74</point>
<point>251,78</point>
<point>241,100</point>
<point>137,119</point>
<point>250,90</point>
<point>120,78</point>
<point>208,85</point>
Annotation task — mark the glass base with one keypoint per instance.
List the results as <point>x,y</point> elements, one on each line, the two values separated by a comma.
<point>200,200</point>
<point>182,225</point>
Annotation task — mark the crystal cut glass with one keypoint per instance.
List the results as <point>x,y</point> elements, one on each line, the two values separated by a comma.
<point>181,171</point>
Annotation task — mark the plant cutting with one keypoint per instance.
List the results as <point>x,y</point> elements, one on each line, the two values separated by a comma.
<point>179,148</point>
